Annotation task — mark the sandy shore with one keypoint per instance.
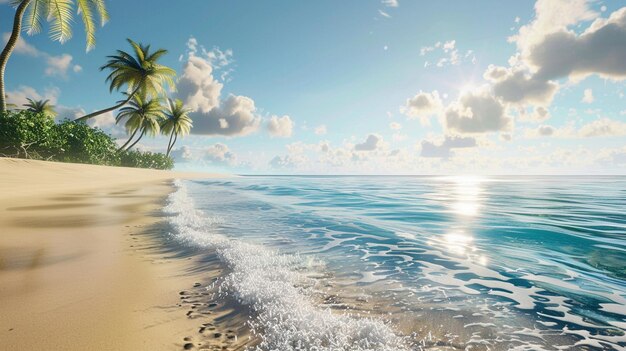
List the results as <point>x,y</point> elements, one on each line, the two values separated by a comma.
<point>81,264</point>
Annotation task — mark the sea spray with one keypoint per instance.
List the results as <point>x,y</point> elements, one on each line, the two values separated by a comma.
<point>276,288</point>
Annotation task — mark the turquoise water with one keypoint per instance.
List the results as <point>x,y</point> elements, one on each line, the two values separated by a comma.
<point>434,262</point>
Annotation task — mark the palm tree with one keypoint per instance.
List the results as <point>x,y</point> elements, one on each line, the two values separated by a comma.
<point>177,122</point>
<point>40,106</point>
<point>140,74</point>
<point>59,13</point>
<point>142,114</point>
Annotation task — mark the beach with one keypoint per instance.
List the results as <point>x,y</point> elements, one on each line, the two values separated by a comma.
<point>81,266</point>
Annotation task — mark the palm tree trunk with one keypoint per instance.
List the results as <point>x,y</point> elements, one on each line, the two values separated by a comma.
<point>8,49</point>
<point>136,141</point>
<point>169,144</point>
<point>128,141</point>
<point>173,142</point>
<point>97,113</point>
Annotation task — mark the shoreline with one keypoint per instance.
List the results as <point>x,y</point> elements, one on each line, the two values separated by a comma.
<point>83,263</point>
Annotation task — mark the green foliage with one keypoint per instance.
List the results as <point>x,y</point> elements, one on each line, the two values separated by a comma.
<point>139,73</point>
<point>60,15</point>
<point>145,160</point>
<point>26,134</point>
<point>79,143</point>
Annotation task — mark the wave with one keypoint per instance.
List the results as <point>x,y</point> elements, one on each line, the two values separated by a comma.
<point>279,289</point>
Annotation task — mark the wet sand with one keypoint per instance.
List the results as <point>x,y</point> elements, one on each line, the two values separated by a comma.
<point>84,264</point>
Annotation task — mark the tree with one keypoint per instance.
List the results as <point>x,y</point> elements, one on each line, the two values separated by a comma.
<point>59,14</point>
<point>177,122</point>
<point>40,106</point>
<point>141,75</point>
<point>143,114</point>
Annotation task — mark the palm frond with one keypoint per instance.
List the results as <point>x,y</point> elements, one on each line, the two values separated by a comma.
<point>85,9</point>
<point>34,18</point>
<point>60,16</point>
<point>102,11</point>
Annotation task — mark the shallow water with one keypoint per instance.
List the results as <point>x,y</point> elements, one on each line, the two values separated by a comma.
<point>435,262</point>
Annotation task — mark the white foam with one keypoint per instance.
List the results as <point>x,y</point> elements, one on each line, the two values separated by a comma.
<point>279,291</point>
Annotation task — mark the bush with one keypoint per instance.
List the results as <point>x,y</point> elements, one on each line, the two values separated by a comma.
<point>31,135</point>
<point>145,160</point>
<point>26,135</point>
<point>77,142</point>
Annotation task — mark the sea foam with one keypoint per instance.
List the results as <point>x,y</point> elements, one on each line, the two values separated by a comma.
<point>276,287</point>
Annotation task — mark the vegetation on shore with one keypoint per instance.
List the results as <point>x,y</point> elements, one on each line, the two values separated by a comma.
<point>31,132</point>
<point>33,135</point>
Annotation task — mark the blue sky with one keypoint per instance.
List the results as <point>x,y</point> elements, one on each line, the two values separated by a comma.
<point>347,87</point>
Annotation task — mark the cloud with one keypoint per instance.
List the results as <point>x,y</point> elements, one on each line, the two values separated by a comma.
<point>444,149</point>
<point>601,127</point>
<point>236,116</point>
<point>477,112</point>
<point>321,130</point>
<point>59,65</point>
<point>220,154</point>
<point>19,96</point>
<point>182,154</point>
<point>587,96</point>
<point>395,126</point>
<point>518,87</point>
<point>390,3</point>
<point>600,49</point>
<point>22,47</point>
<point>371,143</point>
<point>197,87</point>
<point>422,106</point>
<point>285,162</point>
<point>448,54</point>
<point>280,126</point>
<point>384,14</point>
<point>55,65</point>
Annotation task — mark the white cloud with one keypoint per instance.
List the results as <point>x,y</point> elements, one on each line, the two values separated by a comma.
<point>395,126</point>
<point>601,127</point>
<point>519,87</point>
<point>182,154</point>
<point>444,148</point>
<point>587,96</point>
<point>59,65</point>
<point>599,49</point>
<point>384,14</point>
<point>236,116</point>
<point>390,3</point>
<point>371,143</point>
<point>197,86</point>
<point>220,154</point>
<point>422,106</point>
<point>22,47</point>
<point>280,126</point>
<point>398,137</point>
<point>55,65</point>
<point>538,114</point>
<point>321,130</point>
<point>477,112</point>
<point>446,54</point>
<point>19,96</point>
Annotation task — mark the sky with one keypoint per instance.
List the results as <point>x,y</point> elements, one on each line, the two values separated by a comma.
<point>362,87</point>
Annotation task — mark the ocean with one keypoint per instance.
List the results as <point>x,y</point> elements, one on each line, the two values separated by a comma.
<point>416,262</point>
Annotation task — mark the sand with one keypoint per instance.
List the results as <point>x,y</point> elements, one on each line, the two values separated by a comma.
<point>83,266</point>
